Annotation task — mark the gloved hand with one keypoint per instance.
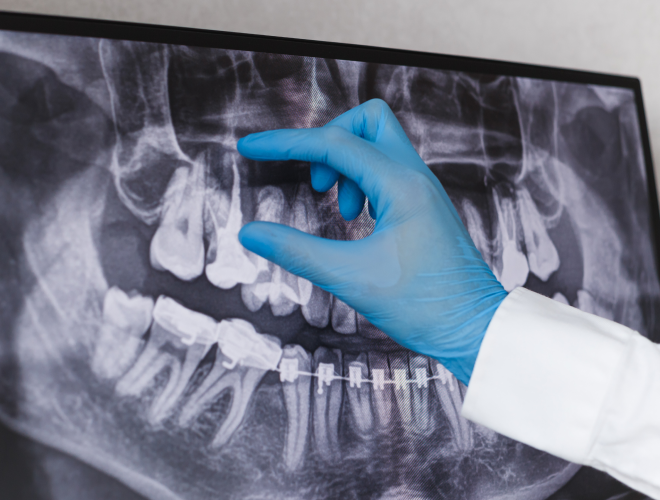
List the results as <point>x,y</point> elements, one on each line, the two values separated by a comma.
<point>418,277</point>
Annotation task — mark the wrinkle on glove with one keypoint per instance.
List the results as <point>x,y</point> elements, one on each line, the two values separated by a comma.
<point>418,277</point>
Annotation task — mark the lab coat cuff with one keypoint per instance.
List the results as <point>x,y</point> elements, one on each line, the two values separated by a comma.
<point>543,374</point>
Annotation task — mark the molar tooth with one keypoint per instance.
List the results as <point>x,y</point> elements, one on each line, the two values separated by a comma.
<point>343,317</point>
<point>297,402</point>
<point>514,268</point>
<point>179,340</point>
<point>231,264</point>
<point>240,379</point>
<point>358,394</point>
<point>178,244</point>
<point>273,283</point>
<point>327,403</point>
<point>542,255</point>
<point>241,343</point>
<point>125,321</point>
<point>382,394</point>
<point>241,362</point>
<point>559,297</point>
<point>451,399</point>
<point>423,422</point>
<point>317,310</point>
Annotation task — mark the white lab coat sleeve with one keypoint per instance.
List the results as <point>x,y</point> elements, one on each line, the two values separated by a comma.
<point>572,384</point>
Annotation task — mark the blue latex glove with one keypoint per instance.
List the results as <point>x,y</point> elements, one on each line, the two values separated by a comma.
<point>418,277</point>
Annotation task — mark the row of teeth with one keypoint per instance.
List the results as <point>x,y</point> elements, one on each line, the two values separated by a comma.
<point>325,374</point>
<point>179,339</point>
<point>195,210</point>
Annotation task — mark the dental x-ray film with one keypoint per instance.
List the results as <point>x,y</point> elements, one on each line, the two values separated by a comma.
<point>140,339</point>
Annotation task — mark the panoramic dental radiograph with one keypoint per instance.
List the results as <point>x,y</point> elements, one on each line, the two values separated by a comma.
<point>141,338</point>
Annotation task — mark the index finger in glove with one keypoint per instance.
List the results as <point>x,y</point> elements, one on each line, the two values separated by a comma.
<point>335,147</point>
<point>374,121</point>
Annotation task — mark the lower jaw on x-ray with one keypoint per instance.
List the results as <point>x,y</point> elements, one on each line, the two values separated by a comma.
<point>141,338</point>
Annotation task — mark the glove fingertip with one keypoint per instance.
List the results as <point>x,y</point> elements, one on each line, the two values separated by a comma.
<point>349,210</point>
<point>263,145</point>
<point>258,238</point>
<point>350,198</point>
<point>243,145</point>
<point>323,177</point>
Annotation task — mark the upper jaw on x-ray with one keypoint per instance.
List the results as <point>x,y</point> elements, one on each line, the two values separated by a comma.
<point>141,337</point>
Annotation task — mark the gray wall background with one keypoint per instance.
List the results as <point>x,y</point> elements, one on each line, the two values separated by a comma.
<point>601,35</point>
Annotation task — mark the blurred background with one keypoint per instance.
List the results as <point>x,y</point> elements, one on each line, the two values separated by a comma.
<point>610,36</point>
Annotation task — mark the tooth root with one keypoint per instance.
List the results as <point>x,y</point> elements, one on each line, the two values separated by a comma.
<point>402,391</point>
<point>179,340</point>
<point>451,400</point>
<point>214,384</point>
<point>343,317</point>
<point>216,213</point>
<point>423,422</point>
<point>297,403</point>
<point>382,394</point>
<point>241,396</point>
<point>243,359</point>
<point>231,264</point>
<point>150,363</point>
<point>542,255</point>
<point>241,381</point>
<point>513,267</point>
<point>180,375</point>
<point>164,351</point>
<point>178,244</point>
<point>317,310</point>
<point>125,321</point>
<point>475,226</point>
<point>327,403</point>
<point>358,393</point>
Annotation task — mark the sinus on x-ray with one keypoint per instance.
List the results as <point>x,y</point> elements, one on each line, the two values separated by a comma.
<point>138,336</point>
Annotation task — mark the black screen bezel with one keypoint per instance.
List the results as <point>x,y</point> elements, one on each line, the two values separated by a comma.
<point>69,26</point>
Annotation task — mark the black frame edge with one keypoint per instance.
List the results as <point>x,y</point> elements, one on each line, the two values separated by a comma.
<point>94,28</point>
